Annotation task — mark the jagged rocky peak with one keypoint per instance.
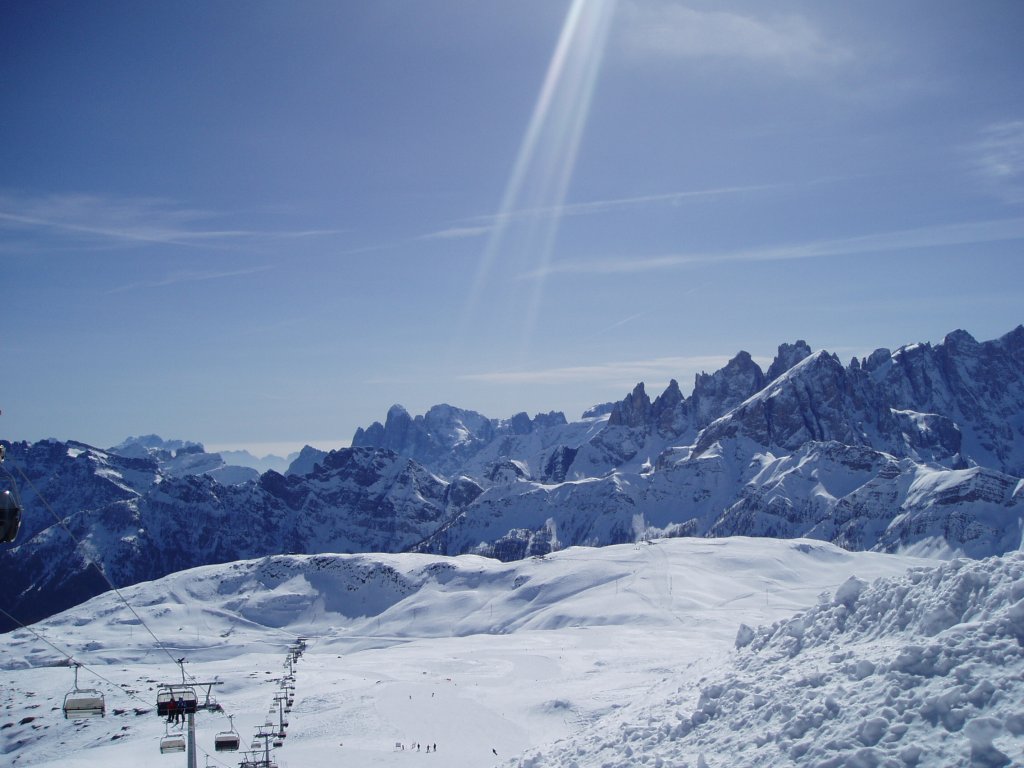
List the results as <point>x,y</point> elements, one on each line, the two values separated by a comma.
<point>666,414</point>
<point>721,391</point>
<point>391,434</point>
<point>596,411</point>
<point>787,356</point>
<point>154,445</point>
<point>550,419</point>
<point>960,340</point>
<point>442,427</point>
<point>520,424</point>
<point>398,420</point>
<point>458,425</point>
<point>633,411</point>
<point>876,359</point>
<point>669,410</point>
<point>306,461</point>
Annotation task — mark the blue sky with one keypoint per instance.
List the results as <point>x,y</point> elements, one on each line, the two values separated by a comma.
<point>263,223</point>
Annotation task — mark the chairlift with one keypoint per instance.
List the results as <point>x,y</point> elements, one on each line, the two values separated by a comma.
<point>227,741</point>
<point>278,743</point>
<point>10,507</point>
<point>185,694</point>
<point>81,703</point>
<point>172,742</point>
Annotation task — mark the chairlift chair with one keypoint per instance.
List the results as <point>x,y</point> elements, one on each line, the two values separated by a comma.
<point>169,693</point>
<point>172,742</point>
<point>227,741</point>
<point>81,703</point>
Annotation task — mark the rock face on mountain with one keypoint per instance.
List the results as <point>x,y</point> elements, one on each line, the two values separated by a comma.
<point>181,458</point>
<point>136,524</point>
<point>918,449</point>
<point>445,438</point>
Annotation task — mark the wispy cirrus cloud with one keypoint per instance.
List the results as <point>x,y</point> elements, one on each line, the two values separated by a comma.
<point>187,276</point>
<point>458,233</point>
<point>998,159</point>
<point>484,225</point>
<point>665,29</point>
<point>620,373</point>
<point>900,240</point>
<point>126,221</point>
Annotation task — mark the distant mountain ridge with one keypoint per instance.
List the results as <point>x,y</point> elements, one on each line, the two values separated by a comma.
<point>921,449</point>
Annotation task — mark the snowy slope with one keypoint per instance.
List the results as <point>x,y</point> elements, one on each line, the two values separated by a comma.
<point>925,669</point>
<point>468,653</point>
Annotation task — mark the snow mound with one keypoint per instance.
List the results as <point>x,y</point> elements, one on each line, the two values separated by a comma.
<point>926,669</point>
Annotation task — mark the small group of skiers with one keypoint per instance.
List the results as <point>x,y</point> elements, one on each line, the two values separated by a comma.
<point>416,746</point>
<point>176,711</point>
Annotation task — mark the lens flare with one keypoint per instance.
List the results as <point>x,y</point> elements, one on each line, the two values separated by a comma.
<point>526,225</point>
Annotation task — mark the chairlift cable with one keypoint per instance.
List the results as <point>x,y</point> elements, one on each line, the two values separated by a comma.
<point>109,583</point>
<point>72,661</point>
<point>93,563</point>
<point>116,591</point>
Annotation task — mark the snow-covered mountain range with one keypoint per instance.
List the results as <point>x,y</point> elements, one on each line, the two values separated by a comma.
<point>918,450</point>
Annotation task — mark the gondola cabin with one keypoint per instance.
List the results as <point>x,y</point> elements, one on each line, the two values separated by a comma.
<point>183,698</point>
<point>174,742</point>
<point>10,517</point>
<point>83,703</point>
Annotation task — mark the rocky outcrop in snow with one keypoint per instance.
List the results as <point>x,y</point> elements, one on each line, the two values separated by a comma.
<point>445,438</point>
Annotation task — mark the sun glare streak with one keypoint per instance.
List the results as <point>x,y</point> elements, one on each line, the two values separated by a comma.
<point>547,155</point>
